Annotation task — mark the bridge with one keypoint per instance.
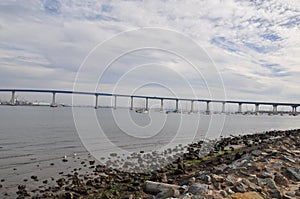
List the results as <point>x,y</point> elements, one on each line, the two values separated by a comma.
<point>147,98</point>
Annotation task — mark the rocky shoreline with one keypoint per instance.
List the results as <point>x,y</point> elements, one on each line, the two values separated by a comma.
<point>265,165</point>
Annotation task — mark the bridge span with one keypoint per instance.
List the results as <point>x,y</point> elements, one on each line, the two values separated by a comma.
<point>147,98</point>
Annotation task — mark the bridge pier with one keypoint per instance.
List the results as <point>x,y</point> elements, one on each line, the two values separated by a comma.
<point>256,108</point>
<point>192,106</point>
<point>294,110</point>
<point>207,107</point>
<point>240,108</point>
<point>275,110</point>
<point>13,100</point>
<point>53,103</point>
<point>96,101</point>
<point>147,104</point>
<point>223,107</point>
<point>161,105</point>
<point>176,109</point>
<point>131,103</point>
<point>115,105</point>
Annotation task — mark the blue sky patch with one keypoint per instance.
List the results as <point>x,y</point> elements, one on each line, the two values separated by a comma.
<point>52,6</point>
<point>222,42</point>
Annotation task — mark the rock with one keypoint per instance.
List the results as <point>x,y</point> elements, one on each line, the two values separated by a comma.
<point>61,182</point>
<point>270,183</point>
<point>229,191</point>
<point>286,197</point>
<point>246,195</point>
<point>239,187</point>
<point>275,193</point>
<point>35,178</point>
<point>292,173</point>
<point>198,189</point>
<point>167,193</point>
<point>186,196</point>
<point>156,187</point>
<point>207,179</point>
<point>92,162</point>
<point>113,154</point>
<point>65,160</point>
<point>264,175</point>
<point>290,194</point>
<point>281,180</point>
<point>217,178</point>
<point>252,186</point>
<point>256,153</point>
<point>223,193</point>
<point>289,158</point>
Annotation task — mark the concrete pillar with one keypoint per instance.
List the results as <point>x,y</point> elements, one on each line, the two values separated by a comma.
<point>240,108</point>
<point>207,107</point>
<point>294,110</point>
<point>96,101</point>
<point>53,103</point>
<point>161,105</point>
<point>223,107</point>
<point>176,109</point>
<point>192,106</point>
<point>12,101</point>
<point>146,107</point>
<point>115,105</point>
<point>256,108</point>
<point>275,109</point>
<point>131,103</point>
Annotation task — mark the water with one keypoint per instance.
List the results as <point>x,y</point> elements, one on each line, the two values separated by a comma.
<point>31,138</point>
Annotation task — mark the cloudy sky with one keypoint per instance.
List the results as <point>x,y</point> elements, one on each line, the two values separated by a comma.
<point>253,46</point>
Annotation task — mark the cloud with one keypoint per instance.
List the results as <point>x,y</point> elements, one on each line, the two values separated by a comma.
<point>254,44</point>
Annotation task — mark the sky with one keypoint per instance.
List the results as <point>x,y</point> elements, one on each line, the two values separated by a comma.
<point>241,50</point>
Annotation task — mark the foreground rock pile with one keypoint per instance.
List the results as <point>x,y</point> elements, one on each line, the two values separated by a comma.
<point>242,167</point>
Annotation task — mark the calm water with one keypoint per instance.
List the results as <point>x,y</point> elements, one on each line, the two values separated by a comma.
<point>33,137</point>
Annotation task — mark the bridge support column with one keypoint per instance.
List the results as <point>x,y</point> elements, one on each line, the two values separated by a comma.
<point>53,103</point>
<point>240,108</point>
<point>131,103</point>
<point>161,105</point>
<point>13,100</point>
<point>147,104</point>
<point>115,105</point>
<point>223,107</point>
<point>275,109</point>
<point>207,108</point>
<point>192,106</point>
<point>256,108</point>
<point>176,109</point>
<point>294,110</point>
<point>96,101</point>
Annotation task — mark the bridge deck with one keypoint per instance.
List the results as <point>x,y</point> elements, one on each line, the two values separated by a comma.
<point>150,97</point>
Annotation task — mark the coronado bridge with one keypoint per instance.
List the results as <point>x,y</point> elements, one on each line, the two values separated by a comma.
<point>161,99</point>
